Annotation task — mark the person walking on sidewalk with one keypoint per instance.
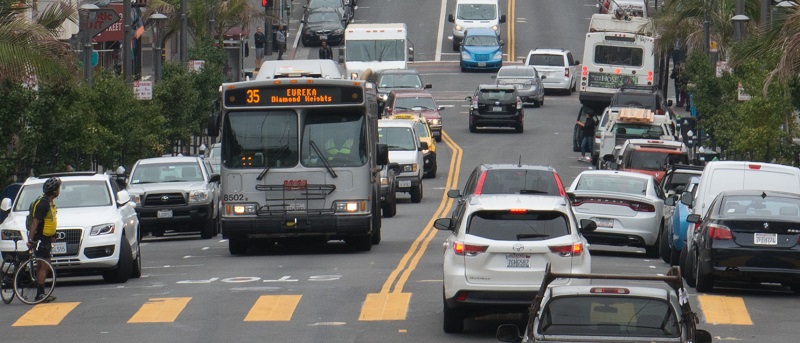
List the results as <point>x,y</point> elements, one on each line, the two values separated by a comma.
<point>587,128</point>
<point>680,87</point>
<point>325,51</point>
<point>260,40</point>
<point>280,37</point>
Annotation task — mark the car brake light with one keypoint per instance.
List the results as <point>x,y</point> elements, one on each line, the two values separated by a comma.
<point>567,250</point>
<point>641,207</point>
<point>606,290</point>
<point>479,186</point>
<point>566,72</point>
<point>559,184</point>
<point>518,211</point>
<point>754,166</point>
<point>719,232</point>
<point>461,296</point>
<point>462,249</point>
<point>636,206</point>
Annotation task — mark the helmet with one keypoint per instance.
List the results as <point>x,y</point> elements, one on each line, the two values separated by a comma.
<point>51,185</point>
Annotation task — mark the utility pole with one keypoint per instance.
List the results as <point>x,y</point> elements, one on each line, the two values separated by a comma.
<point>737,24</point>
<point>707,29</point>
<point>764,15</point>
<point>126,41</point>
<point>184,34</point>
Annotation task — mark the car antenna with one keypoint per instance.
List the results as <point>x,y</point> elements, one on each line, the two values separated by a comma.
<point>520,161</point>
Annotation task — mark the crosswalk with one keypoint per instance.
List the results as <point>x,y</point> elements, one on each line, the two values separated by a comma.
<point>714,309</point>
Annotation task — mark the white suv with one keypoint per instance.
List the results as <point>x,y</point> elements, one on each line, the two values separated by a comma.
<point>405,149</point>
<point>499,248</point>
<point>559,67</point>
<point>98,231</point>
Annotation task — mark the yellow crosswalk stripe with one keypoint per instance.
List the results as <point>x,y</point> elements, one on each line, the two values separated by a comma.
<point>46,314</point>
<point>160,310</point>
<point>385,306</point>
<point>724,310</point>
<point>273,308</point>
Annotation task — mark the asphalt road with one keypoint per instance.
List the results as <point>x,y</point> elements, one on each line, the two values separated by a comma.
<point>192,290</point>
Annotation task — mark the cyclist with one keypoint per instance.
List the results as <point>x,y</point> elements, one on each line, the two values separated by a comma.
<point>43,227</point>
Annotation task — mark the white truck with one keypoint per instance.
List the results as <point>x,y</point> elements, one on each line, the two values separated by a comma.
<point>375,47</point>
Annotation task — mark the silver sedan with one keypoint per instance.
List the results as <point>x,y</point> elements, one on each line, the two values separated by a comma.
<point>527,81</point>
<point>627,207</point>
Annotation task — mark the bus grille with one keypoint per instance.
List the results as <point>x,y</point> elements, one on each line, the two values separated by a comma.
<point>283,199</point>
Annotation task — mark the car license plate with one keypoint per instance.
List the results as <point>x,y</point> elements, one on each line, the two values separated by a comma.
<point>497,109</point>
<point>404,183</point>
<point>59,248</point>
<point>295,207</point>
<point>164,214</point>
<point>761,238</point>
<point>481,64</point>
<point>604,222</point>
<point>518,261</point>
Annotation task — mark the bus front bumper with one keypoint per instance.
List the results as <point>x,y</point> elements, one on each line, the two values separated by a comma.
<point>328,225</point>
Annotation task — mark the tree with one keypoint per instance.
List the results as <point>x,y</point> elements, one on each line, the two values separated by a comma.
<point>226,15</point>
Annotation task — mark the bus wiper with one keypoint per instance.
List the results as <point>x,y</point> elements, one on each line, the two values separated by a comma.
<point>323,157</point>
<point>272,162</point>
<point>531,191</point>
<point>530,235</point>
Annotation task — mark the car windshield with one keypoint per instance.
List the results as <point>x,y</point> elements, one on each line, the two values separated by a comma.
<point>655,160</point>
<point>397,138</point>
<point>419,102</point>
<point>608,315</point>
<point>375,50</point>
<point>515,73</point>
<point>167,172</point>
<point>400,81</point>
<point>612,183</point>
<point>325,3</point>
<point>520,181</point>
<point>73,194</point>
<point>518,226</point>
<point>421,129</point>
<point>546,60</point>
<point>496,94</point>
<point>481,41</point>
<point>477,12</point>
<point>767,207</point>
<point>323,17</point>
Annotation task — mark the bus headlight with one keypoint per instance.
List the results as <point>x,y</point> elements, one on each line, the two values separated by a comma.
<point>241,209</point>
<point>198,196</point>
<point>102,229</point>
<point>350,206</point>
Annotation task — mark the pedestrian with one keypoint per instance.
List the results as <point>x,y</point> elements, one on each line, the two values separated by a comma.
<point>678,79</point>
<point>325,51</point>
<point>280,37</point>
<point>676,53</point>
<point>587,128</point>
<point>260,40</point>
<point>42,228</point>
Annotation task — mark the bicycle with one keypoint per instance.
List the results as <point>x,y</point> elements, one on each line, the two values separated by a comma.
<point>23,283</point>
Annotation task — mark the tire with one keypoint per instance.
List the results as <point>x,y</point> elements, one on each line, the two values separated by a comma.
<point>416,193</point>
<point>438,138</point>
<point>568,91</point>
<point>208,230</point>
<point>463,70</point>
<point>237,246</point>
<point>519,128</point>
<point>663,248</point>
<point>376,221</point>
<point>674,256</point>
<point>456,45</point>
<point>652,250</point>
<point>124,269</point>
<point>136,271</point>
<point>431,174</point>
<point>7,281</point>
<point>157,233</point>
<point>25,285</point>
<point>453,321</point>
<point>687,266</point>
<point>362,243</point>
<point>704,280</point>
<point>795,288</point>
<point>390,209</point>
<point>473,128</point>
<point>537,104</point>
<point>376,236</point>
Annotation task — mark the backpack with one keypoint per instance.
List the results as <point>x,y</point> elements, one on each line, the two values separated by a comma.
<point>29,218</point>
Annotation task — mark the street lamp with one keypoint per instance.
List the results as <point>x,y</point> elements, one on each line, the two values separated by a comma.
<point>738,21</point>
<point>157,19</point>
<point>87,15</point>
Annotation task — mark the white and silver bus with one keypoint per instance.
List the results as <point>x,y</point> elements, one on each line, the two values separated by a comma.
<point>300,161</point>
<point>617,52</point>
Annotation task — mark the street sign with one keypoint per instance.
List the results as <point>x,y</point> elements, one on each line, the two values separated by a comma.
<point>99,20</point>
<point>143,90</point>
<point>95,58</point>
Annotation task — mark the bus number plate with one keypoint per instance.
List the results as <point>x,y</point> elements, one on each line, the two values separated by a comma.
<point>761,238</point>
<point>295,207</point>
<point>59,248</point>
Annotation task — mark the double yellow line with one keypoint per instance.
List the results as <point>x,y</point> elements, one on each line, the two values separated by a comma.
<point>391,303</point>
<point>512,23</point>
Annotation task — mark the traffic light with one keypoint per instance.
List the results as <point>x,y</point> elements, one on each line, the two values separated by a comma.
<point>267,3</point>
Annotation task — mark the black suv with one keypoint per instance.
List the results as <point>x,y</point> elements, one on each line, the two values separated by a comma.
<point>495,105</point>
<point>649,97</point>
<point>391,79</point>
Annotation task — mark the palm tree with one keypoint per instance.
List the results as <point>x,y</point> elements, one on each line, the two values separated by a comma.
<point>227,14</point>
<point>29,49</point>
<point>781,39</point>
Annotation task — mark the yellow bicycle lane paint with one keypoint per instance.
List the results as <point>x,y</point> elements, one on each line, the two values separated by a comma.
<point>160,310</point>
<point>724,310</point>
<point>391,303</point>
<point>46,314</point>
<point>273,308</point>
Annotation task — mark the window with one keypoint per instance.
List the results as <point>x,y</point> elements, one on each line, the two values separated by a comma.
<point>612,183</point>
<point>397,138</point>
<point>375,50</point>
<point>608,316</point>
<point>755,206</point>
<point>421,129</point>
<point>73,194</point>
<point>400,81</point>
<point>520,181</point>
<point>407,103</point>
<point>167,172</point>
<point>476,12</point>
<point>546,60</point>
<point>481,41</point>
<point>339,136</point>
<point>618,55</point>
<point>496,95</point>
<point>517,72</point>
<point>508,226</point>
<point>258,138</point>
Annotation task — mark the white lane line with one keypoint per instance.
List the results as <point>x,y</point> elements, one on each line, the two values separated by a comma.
<point>204,248</point>
<point>442,9</point>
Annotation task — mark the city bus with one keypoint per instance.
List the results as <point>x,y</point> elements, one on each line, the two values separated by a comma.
<point>617,52</point>
<point>300,162</point>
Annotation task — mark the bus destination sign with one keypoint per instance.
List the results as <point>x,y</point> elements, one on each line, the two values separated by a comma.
<point>293,94</point>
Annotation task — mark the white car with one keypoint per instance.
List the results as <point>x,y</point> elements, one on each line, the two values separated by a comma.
<point>98,230</point>
<point>499,248</point>
<point>405,149</point>
<point>559,68</point>
<point>627,207</point>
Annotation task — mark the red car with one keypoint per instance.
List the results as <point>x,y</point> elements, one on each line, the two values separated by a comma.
<point>418,102</point>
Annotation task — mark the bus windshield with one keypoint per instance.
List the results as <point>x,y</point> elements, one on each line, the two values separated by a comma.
<point>339,136</point>
<point>255,139</point>
<point>375,50</point>
<point>618,55</point>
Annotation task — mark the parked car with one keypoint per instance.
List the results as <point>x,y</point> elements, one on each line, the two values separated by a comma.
<point>620,127</point>
<point>175,193</point>
<point>418,102</point>
<point>10,192</point>
<point>423,131</point>
<point>388,80</point>
<point>344,7</point>
<point>680,178</point>
<point>481,49</point>
<point>496,105</point>
<point>747,236</point>
<point>405,149</point>
<point>627,207</point>
<point>610,309</point>
<point>498,249</point>
<point>323,22</point>
<point>98,230</point>
<point>560,70</point>
<point>526,79</point>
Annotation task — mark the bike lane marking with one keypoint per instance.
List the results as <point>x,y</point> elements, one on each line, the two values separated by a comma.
<point>160,310</point>
<point>273,308</point>
<point>46,314</point>
<point>724,310</point>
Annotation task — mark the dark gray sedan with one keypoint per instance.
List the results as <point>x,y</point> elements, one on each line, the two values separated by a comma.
<point>527,81</point>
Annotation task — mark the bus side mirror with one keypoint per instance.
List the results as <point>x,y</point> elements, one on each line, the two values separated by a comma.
<point>502,19</point>
<point>450,18</point>
<point>383,154</point>
<point>213,125</point>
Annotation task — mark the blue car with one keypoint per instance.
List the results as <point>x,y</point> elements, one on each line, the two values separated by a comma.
<point>481,49</point>
<point>677,232</point>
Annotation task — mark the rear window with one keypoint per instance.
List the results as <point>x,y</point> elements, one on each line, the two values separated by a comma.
<point>756,206</point>
<point>679,180</point>
<point>546,60</point>
<point>630,130</point>
<point>494,94</point>
<point>515,72</point>
<point>618,55</point>
<point>608,316</point>
<point>612,183</point>
<point>634,100</point>
<point>526,226</point>
<point>654,160</point>
<point>519,181</point>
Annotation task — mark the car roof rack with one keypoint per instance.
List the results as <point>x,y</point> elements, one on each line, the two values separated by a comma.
<point>63,174</point>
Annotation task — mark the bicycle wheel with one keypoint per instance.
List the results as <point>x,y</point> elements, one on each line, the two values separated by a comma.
<point>25,281</point>
<point>7,281</point>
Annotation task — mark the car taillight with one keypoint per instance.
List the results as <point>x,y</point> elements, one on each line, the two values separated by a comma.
<point>754,166</point>
<point>462,249</point>
<point>461,296</point>
<point>566,72</point>
<point>719,232</point>
<point>479,185</point>
<point>567,250</point>
<point>660,111</point>
<point>519,103</point>
<point>559,184</point>
<point>636,206</point>
<point>641,207</point>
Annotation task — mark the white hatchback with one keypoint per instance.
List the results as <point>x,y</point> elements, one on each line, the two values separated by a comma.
<point>499,248</point>
<point>558,66</point>
<point>98,230</point>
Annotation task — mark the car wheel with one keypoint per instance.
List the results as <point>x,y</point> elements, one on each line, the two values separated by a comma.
<point>456,46</point>
<point>674,256</point>
<point>795,288</point>
<point>453,321</point>
<point>122,272</point>
<point>463,70</point>
<point>574,85</point>
<point>237,246</point>
<point>136,272</point>
<point>473,128</point>
<point>376,220</point>
<point>376,236</point>
<point>652,250</point>
<point>438,137</point>
<point>704,280</point>
<point>390,208</point>
<point>568,91</point>
<point>663,247</point>
<point>362,243</point>
<point>416,193</point>
<point>687,268</point>
<point>157,233</point>
<point>304,42</point>
<point>432,173</point>
<point>519,128</point>
<point>208,229</point>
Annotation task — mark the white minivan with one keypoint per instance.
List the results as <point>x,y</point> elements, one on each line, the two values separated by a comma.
<point>475,14</point>
<point>405,149</point>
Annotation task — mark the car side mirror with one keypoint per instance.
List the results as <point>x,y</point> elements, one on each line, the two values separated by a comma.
<point>453,193</point>
<point>428,86</point>
<point>214,178</point>
<point>670,201</point>
<point>450,18</point>
<point>423,145</point>
<point>502,42</point>
<point>543,77</point>
<point>395,167</point>
<point>502,19</point>
<point>571,197</point>
<point>686,199</point>
<point>443,224</point>
<point>588,225</point>
<point>577,62</point>
<point>694,218</point>
<point>469,98</point>
<point>702,336</point>
<point>508,333</point>
<point>5,205</point>
<point>123,197</point>
<point>383,154</point>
